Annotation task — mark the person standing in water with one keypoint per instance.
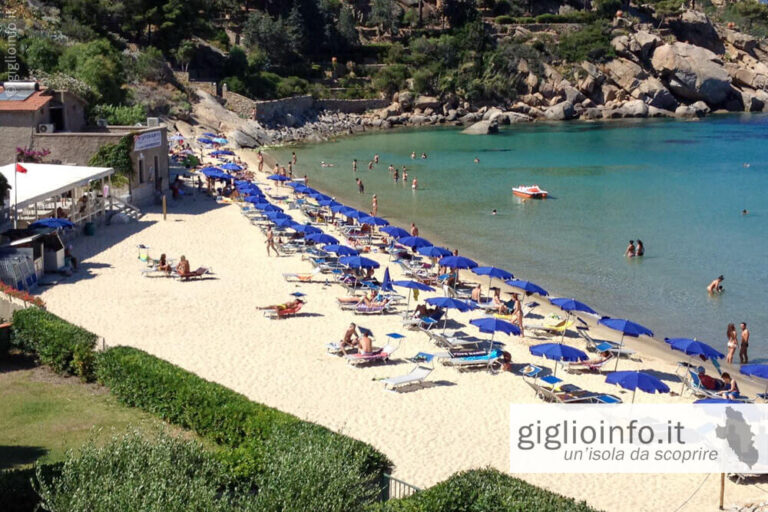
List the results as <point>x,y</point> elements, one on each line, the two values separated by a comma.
<point>396,176</point>
<point>413,155</point>
<point>640,248</point>
<point>733,343</point>
<point>370,165</point>
<point>415,184</point>
<point>716,286</point>
<point>405,176</point>
<point>354,164</point>
<point>376,158</point>
<point>360,186</point>
<point>630,252</point>
<point>414,230</point>
<point>374,205</point>
<point>293,157</point>
<point>743,357</point>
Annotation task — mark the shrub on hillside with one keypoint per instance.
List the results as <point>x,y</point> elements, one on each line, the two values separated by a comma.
<point>119,115</point>
<point>390,79</point>
<point>57,343</point>
<point>486,490</point>
<point>134,473</point>
<point>504,20</point>
<point>593,43</point>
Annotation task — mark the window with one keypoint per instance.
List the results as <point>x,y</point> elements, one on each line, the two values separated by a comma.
<point>141,170</point>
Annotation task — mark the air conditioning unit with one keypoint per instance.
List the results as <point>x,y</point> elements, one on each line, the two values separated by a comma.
<point>45,128</point>
<point>153,121</point>
<point>102,123</point>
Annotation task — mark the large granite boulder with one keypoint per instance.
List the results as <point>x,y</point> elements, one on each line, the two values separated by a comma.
<point>425,102</point>
<point>740,40</point>
<point>696,28</point>
<point>482,128</point>
<point>563,111</point>
<point>405,98</point>
<point>648,43</point>
<point>692,72</point>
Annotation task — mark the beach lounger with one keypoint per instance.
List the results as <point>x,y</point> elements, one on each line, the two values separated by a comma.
<point>425,323</point>
<point>552,325</point>
<point>380,355</point>
<point>374,309</point>
<point>195,274</point>
<point>604,346</point>
<point>490,360</point>
<point>306,277</point>
<point>593,365</point>
<point>275,314</point>
<point>416,376</point>
<point>553,390</point>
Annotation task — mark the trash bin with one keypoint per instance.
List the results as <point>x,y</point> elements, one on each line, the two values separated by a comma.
<point>90,229</point>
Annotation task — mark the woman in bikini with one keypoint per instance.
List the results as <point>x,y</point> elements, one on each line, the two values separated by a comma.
<point>733,343</point>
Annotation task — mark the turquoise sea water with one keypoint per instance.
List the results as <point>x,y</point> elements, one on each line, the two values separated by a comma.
<point>678,186</point>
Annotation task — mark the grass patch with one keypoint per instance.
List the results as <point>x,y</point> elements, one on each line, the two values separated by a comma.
<point>45,414</point>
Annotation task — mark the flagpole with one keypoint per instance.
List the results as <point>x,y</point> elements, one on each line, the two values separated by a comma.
<point>15,193</point>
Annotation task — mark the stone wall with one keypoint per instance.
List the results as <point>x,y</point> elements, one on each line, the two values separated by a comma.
<point>209,87</point>
<point>351,106</point>
<point>239,104</point>
<point>297,106</point>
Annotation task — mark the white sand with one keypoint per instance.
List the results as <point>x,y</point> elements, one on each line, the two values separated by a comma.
<point>211,327</point>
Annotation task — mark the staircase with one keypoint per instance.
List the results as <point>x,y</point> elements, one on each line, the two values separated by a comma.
<point>119,206</point>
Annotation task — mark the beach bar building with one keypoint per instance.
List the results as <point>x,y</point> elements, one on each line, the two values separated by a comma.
<point>80,194</point>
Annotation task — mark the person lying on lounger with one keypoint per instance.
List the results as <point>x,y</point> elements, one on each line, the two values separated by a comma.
<point>423,310</point>
<point>280,307</point>
<point>708,382</point>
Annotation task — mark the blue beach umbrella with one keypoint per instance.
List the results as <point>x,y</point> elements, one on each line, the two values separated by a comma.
<point>307,229</point>
<point>328,203</point>
<point>341,250</point>
<point>494,325</point>
<point>283,223</point>
<point>358,262</point>
<point>635,380</point>
<point>527,286</point>
<point>211,171</point>
<point>394,231</point>
<point>267,207</point>
<point>277,177</point>
<point>492,272</point>
<point>317,196</point>
<point>449,303</point>
<point>295,184</point>
<point>558,352</point>
<point>414,242</point>
<point>339,208</point>
<point>757,370</point>
<point>693,348</point>
<point>222,140</point>
<point>301,189</point>
<point>209,134</point>
<point>457,262</point>
<point>231,166</point>
<point>52,223</point>
<point>222,152</point>
<point>386,283</point>
<point>626,328</point>
<point>321,238</point>
<point>373,221</point>
<point>277,215</point>
<point>412,285</point>
<point>571,305</point>
<point>310,190</point>
<point>203,140</point>
<point>432,251</point>
<point>717,401</point>
<point>254,198</point>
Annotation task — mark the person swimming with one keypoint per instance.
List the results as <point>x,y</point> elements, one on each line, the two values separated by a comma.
<point>477,160</point>
<point>630,252</point>
<point>493,212</point>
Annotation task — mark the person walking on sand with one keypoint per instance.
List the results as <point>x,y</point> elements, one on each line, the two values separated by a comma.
<point>640,248</point>
<point>743,357</point>
<point>733,343</point>
<point>374,205</point>
<point>271,241</point>
<point>414,230</point>
<point>630,252</point>
<point>354,165</point>
<point>715,286</point>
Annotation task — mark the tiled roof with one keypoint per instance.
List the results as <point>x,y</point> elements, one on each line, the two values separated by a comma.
<point>35,102</point>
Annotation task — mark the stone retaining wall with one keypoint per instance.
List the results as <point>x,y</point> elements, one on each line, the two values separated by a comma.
<point>297,106</point>
<point>351,106</point>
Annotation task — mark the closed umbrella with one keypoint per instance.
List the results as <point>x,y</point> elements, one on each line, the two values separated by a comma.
<point>626,328</point>
<point>558,352</point>
<point>635,380</point>
<point>386,283</point>
<point>412,285</point>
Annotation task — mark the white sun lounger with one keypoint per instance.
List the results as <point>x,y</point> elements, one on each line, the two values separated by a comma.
<point>417,375</point>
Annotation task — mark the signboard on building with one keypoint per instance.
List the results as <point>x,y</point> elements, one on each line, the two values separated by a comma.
<point>147,140</point>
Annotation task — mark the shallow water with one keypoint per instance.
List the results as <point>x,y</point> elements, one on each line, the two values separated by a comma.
<point>678,186</point>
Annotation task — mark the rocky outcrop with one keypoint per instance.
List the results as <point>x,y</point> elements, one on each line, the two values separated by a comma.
<point>482,128</point>
<point>695,28</point>
<point>562,111</point>
<point>692,72</point>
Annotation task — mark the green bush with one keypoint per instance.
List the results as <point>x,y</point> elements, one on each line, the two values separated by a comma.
<point>141,380</point>
<point>525,20</point>
<point>17,493</point>
<point>134,473</point>
<point>119,115</point>
<point>390,79</point>
<point>504,20</point>
<point>292,86</point>
<point>54,341</point>
<point>593,43</point>
<point>572,17</point>
<point>485,490</point>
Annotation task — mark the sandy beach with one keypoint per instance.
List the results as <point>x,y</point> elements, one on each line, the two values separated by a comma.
<point>211,327</point>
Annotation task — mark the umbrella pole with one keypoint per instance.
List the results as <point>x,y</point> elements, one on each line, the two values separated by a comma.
<point>408,304</point>
<point>567,319</point>
<point>618,355</point>
<point>634,392</point>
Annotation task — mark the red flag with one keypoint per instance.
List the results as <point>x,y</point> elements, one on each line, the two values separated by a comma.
<point>21,169</point>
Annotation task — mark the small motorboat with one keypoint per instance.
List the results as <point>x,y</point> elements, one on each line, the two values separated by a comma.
<point>530,192</point>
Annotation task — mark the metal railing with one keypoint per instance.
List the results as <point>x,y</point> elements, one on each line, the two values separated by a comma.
<point>393,488</point>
